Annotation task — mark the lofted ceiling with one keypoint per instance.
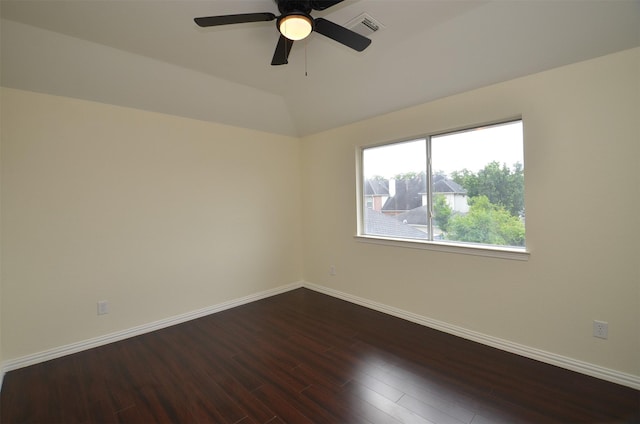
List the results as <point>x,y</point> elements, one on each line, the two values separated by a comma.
<point>149,54</point>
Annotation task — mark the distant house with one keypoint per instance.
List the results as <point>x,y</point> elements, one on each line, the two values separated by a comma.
<point>378,224</point>
<point>401,205</point>
<point>453,192</point>
<point>398,208</point>
<point>376,193</point>
<point>410,194</point>
<point>416,217</point>
<point>406,194</point>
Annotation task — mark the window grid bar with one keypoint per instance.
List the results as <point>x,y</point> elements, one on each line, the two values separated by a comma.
<point>429,190</point>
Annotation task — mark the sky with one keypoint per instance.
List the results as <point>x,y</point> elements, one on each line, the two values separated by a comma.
<point>471,149</point>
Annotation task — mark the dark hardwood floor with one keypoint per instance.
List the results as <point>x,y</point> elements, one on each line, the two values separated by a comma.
<point>303,357</point>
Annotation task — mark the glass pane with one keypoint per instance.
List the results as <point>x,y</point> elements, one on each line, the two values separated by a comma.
<point>395,190</point>
<point>478,185</point>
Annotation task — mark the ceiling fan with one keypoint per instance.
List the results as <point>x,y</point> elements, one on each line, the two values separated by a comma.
<point>294,23</point>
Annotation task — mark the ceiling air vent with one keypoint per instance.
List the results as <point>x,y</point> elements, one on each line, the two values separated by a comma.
<point>364,25</point>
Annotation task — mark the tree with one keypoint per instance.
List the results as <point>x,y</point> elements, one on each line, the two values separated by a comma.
<point>486,223</point>
<point>502,185</point>
<point>468,180</point>
<point>441,212</point>
<point>409,176</point>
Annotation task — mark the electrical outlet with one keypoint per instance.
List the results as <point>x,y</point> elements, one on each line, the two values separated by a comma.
<point>103,307</point>
<point>600,329</point>
<point>332,270</point>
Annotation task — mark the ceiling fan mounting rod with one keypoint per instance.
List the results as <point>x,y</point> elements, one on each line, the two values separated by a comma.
<point>288,6</point>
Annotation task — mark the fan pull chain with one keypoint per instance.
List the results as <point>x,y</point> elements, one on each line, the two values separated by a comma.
<point>305,58</point>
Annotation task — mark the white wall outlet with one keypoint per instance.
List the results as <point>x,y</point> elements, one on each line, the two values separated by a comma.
<point>332,270</point>
<point>103,307</point>
<point>600,329</point>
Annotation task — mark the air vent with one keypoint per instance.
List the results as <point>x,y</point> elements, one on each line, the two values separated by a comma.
<point>364,25</point>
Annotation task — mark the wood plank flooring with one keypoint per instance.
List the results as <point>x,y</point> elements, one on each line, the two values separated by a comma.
<point>303,357</point>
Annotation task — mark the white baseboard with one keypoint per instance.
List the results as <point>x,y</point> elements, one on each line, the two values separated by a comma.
<point>58,352</point>
<point>582,367</point>
<point>597,371</point>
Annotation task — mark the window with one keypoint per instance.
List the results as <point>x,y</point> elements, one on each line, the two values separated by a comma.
<point>463,188</point>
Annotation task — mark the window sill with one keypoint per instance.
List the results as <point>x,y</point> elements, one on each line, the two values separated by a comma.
<point>487,251</point>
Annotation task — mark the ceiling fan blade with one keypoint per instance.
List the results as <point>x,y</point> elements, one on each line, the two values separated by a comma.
<point>241,18</point>
<point>341,34</point>
<point>324,4</point>
<point>281,55</point>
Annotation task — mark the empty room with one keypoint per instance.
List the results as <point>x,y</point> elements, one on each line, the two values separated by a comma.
<point>319,211</point>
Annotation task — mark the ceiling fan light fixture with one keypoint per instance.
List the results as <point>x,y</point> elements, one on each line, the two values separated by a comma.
<point>295,26</point>
<point>295,23</point>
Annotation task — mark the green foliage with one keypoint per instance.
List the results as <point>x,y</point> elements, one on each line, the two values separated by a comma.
<point>468,180</point>
<point>502,185</point>
<point>408,176</point>
<point>441,212</point>
<point>486,223</point>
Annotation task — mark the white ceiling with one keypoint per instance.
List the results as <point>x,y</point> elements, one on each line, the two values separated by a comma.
<point>149,54</point>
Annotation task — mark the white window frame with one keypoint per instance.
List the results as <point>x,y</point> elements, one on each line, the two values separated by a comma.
<point>502,252</point>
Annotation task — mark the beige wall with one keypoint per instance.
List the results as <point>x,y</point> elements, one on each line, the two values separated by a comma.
<point>162,215</point>
<point>582,144</point>
<point>157,214</point>
<point>1,353</point>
